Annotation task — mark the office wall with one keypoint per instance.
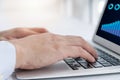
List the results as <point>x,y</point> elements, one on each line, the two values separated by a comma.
<point>88,10</point>
<point>81,9</point>
<point>44,13</point>
<point>97,11</point>
<point>29,13</point>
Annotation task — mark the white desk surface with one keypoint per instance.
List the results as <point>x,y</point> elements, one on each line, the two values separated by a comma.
<point>71,26</point>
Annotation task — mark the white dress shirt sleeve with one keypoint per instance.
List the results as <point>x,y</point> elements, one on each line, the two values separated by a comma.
<point>7,59</point>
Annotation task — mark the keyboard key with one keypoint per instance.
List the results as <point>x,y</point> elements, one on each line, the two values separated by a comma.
<point>106,64</point>
<point>80,60</point>
<point>72,63</point>
<point>96,65</point>
<point>114,61</point>
<point>75,66</point>
<point>101,60</point>
<point>69,61</point>
<point>85,65</point>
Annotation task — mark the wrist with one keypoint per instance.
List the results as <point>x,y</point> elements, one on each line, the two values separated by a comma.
<point>19,54</point>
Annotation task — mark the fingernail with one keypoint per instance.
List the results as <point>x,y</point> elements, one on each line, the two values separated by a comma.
<point>93,60</point>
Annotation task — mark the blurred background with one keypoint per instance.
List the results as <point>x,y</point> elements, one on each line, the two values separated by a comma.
<point>46,13</point>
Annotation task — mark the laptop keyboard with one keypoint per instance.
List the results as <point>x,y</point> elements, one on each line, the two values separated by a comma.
<point>104,60</point>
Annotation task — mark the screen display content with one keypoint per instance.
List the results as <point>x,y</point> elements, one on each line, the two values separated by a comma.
<point>109,27</point>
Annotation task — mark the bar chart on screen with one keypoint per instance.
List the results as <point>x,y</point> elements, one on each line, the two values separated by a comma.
<point>112,28</point>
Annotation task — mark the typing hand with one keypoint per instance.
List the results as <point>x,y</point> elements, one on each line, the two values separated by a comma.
<point>37,51</point>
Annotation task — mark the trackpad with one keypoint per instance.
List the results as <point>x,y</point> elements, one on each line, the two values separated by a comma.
<point>46,72</point>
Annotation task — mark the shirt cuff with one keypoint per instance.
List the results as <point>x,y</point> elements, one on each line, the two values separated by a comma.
<point>7,59</point>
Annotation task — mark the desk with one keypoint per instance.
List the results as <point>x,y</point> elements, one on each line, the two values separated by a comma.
<point>71,26</point>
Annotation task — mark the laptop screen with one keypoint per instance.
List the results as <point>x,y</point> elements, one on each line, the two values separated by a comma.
<point>109,27</point>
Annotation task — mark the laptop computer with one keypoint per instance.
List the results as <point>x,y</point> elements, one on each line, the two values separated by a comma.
<point>106,42</point>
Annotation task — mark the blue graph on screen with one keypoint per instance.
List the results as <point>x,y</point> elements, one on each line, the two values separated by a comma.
<point>112,28</point>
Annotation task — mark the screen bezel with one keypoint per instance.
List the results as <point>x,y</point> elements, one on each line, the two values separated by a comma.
<point>104,42</point>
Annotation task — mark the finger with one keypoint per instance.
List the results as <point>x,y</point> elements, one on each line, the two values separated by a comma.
<point>78,41</point>
<point>90,49</point>
<point>75,52</point>
<point>39,30</point>
<point>86,55</point>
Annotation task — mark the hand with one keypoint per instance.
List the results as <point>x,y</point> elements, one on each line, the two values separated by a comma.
<point>41,50</point>
<point>17,33</point>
